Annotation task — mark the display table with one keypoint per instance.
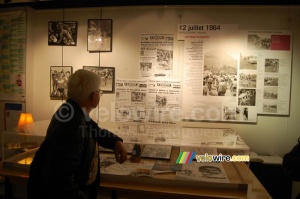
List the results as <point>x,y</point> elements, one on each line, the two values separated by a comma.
<point>144,187</point>
<point>240,181</point>
<point>243,184</point>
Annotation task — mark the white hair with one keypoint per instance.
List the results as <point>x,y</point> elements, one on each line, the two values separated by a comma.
<point>81,84</point>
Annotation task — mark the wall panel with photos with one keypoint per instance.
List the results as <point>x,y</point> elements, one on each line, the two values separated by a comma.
<point>229,75</point>
<point>147,50</point>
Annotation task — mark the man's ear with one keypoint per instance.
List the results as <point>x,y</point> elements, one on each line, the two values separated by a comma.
<point>93,96</point>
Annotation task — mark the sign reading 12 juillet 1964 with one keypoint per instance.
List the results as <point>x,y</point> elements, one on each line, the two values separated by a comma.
<point>186,31</point>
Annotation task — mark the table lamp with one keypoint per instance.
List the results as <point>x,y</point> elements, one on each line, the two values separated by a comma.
<point>24,120</point>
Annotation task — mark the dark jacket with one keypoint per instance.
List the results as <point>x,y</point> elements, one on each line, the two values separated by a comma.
<point>60,168</point>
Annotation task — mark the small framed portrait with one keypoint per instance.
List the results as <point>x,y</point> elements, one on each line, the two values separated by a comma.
<point>99,35</point>
<point>62,33</point>
<point>59,76</point>
<point>107,75</point>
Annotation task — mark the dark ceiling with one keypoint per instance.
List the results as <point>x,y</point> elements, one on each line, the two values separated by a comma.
<point>53,4</point>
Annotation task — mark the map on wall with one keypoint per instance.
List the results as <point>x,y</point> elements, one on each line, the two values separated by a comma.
<point>13,55</point>
<point>234,75</point>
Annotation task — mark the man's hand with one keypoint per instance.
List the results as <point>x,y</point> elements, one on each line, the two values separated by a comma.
<point>120,152</point>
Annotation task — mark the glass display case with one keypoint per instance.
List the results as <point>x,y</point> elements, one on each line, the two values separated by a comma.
<point>20,144</point>
<point>208,157</point>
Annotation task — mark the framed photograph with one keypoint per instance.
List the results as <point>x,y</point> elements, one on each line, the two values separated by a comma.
<point>99,35</point>
<point>59,76</point>
<point>107,75</point>
<point>62,33</point>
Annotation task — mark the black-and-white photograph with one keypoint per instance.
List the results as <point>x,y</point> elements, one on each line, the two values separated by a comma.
<point>145,66</point>
<point>248,61</point>
<point>259,41</point>
<point>138,96</point>
<point>165,59</point>
<point>123,113</point>
<point>244,113</point>
<point>270,92</point>
<point>161,101</point>
<point>219,76</point>
<point>247,97</point>
<point>139,114</point>
<point>247,80</point>
<point>270,106</point>
<point>99,35</point>
<point>59,76</point>
<point>62,33</point>
<point>107,75</point>
<point>272,65</point>
<point>230,113</point>
<point>270,81</point>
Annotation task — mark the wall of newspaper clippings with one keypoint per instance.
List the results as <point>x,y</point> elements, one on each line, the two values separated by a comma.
<point>229,68</point>
<point>234,75</point>
<point>229,75</point>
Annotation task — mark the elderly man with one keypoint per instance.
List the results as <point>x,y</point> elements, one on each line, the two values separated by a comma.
<point>67,162</point>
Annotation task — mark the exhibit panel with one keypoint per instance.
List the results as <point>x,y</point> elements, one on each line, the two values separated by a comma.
<point>143,52</point>
<point>161,89</point>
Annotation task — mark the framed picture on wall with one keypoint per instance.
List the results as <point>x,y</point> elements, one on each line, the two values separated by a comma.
<point>59,76</point>
<point>107,75</point>
<point>99,35</point>
<point>62,33</point>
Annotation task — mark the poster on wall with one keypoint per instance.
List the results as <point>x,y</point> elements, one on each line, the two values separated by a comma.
<point>156,55</point>
<point>232,75</point>
<point>152,101</point>
<point>211,61</point>
<point>164,101</point>
<point>62,33</point>
<point>131,98</point>
<point>269,52</point>
<point>59,76</point>
<point>13,55</point>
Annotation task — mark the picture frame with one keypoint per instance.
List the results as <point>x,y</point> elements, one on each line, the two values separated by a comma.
<point>62,33</point>
<point>59,76</point>
<point>107,75</point>
<point>99,35</point>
